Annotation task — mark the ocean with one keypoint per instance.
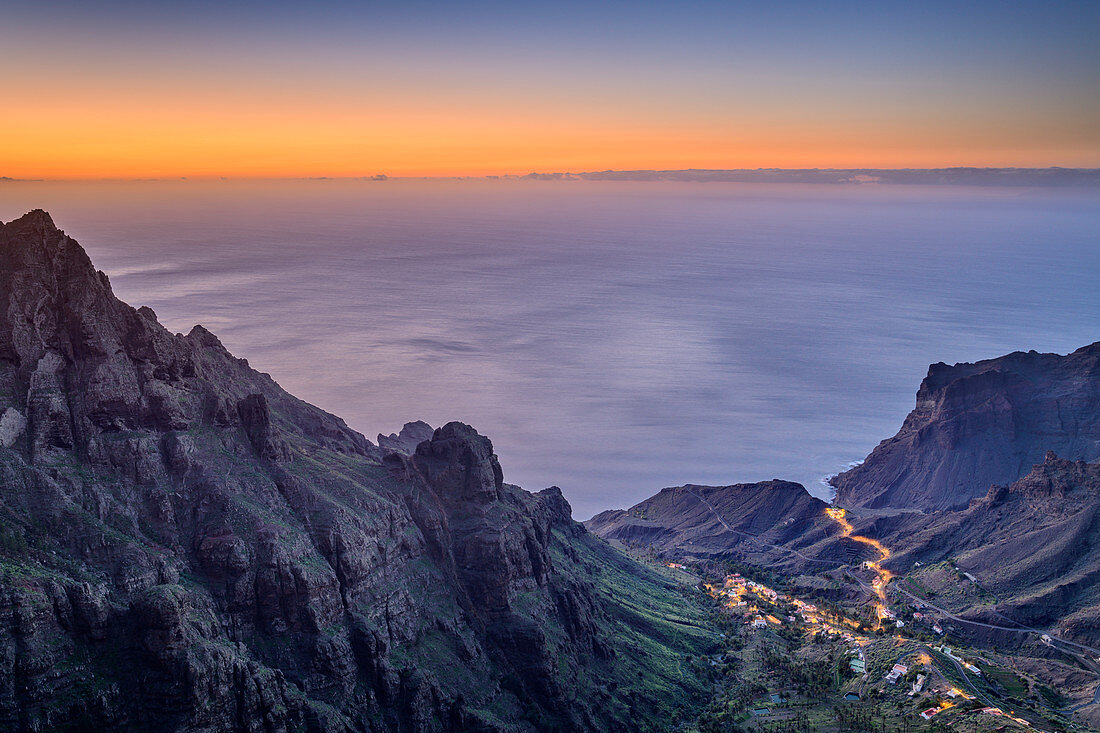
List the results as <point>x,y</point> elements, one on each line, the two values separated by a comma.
<point>610,338</point>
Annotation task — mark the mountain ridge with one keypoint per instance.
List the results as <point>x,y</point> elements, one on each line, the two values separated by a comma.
<point>979,424</point>
<point>184,545</point>
<point>1029,544</point>
<point>769,521</point>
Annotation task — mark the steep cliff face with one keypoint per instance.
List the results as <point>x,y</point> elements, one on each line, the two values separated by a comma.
<point>975,425</point>
<point>1034,545</point>
<point>184,545</point>
<point>773,518</point>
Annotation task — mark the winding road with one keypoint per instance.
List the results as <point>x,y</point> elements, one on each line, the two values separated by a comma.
<point>885,575</point>
<point>1019,628</point>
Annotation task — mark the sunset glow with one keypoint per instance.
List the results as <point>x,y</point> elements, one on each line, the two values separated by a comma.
<point>256,91</point>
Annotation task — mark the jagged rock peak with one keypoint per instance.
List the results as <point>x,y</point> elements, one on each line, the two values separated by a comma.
<point>460,464</point>
<point>405,442</point>
<point>78,364</point>
<point>204,338</point>
<point>555,500</point>
<point>34,219</point>
<point>34,242</point>
<point>1057,477</point>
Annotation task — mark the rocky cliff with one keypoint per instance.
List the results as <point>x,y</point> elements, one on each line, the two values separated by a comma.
<point>975,425</point>
<point>184,545</point>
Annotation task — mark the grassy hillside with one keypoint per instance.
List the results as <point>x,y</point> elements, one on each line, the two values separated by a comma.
<point>656,624</point>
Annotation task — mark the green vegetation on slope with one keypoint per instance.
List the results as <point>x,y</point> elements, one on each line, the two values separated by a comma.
<point>656,625</point>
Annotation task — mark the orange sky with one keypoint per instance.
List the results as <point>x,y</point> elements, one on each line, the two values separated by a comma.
<point>165,135</point>
<point>243,90</point>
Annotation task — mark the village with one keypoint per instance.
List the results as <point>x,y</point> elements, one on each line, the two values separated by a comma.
<point>814,664</point>
<point>928,674</point>
<point>854,648</point>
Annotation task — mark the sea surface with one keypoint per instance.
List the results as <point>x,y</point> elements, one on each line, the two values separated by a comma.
<point>611,338</point>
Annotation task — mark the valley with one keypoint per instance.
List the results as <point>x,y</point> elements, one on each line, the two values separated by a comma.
<point>951,585</point>
<point>793,657</point>
<point>859,646</point>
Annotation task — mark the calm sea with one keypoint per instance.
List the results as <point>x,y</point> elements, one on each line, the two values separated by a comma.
<point>612,339</point>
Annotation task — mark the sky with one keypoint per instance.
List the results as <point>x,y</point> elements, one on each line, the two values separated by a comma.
<point>328,88</point>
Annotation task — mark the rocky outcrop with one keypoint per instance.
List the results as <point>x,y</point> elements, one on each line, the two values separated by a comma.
<point>185,546</point>
<point>975,425</point>
<point>411,435</point>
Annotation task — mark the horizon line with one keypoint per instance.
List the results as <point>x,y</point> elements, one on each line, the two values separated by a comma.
<point>622,174</point>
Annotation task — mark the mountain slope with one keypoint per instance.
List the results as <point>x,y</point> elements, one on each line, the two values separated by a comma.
<point>774,522</point>
<point>975,425</point>
<point>184,545</point>
<point>1034,545</point>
